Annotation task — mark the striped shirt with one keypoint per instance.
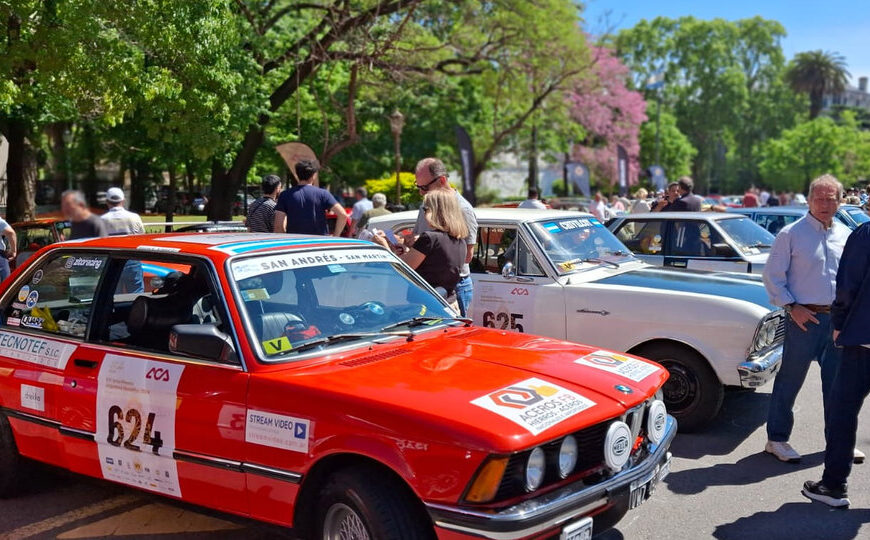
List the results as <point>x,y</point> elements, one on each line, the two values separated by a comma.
<point>261,215</point>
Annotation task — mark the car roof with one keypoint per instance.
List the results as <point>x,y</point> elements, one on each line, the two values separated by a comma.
<point>681,215</point>
<point>216,245</point>
<point>39,221</point>
<point>773,210</point>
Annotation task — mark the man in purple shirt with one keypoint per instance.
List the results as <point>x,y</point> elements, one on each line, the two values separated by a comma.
<point>801,276</point>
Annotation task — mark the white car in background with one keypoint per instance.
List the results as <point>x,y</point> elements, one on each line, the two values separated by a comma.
<point>564,275</point>
<point>715,241</point>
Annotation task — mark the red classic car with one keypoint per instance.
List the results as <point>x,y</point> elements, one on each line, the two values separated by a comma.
<point>316,383</point>
<point>33,235</point>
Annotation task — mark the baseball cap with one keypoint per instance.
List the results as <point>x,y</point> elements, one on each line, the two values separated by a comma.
<point>114,195</point>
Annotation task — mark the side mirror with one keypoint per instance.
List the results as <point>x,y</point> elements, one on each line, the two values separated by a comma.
<point>507,271</point>
<point>202,340</point>
<point>723,250</point>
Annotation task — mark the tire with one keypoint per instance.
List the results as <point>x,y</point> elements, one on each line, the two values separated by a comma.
<point>11,464</point>
<point>365,504</point>
<point>693,393</point>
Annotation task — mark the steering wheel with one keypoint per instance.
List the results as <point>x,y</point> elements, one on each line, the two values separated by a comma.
<point>364,312</point>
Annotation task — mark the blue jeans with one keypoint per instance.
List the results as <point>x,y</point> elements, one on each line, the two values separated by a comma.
<point>131,278</point>
<point>799,350</point>
<point>4,267</point>
<point>464,293</point>
<point>851,386</point>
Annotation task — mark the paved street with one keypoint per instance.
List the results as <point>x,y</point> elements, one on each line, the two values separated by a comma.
<point>721,486</point>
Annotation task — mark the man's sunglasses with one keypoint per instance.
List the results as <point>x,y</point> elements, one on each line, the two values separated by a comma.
<point>426,187</point>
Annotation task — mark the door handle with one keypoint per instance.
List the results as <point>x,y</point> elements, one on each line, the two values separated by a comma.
<point>603,312</point>
<point>525,279</point>
<point>89,364</point>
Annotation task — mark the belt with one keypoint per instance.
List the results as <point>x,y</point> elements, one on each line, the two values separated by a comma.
<point>818,308</point>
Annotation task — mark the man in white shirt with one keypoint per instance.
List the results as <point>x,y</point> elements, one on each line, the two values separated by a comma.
<point>532,201</point>
<point>360,207</point>
<point>118,221</point>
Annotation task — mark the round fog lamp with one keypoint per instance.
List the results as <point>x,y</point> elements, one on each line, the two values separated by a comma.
<point>656,421</point>
<point>617,445</point>
<point>567,456</point>
<point>535,467</point>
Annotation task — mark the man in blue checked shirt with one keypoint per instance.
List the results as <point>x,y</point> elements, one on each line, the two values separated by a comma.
<point>801,277</point>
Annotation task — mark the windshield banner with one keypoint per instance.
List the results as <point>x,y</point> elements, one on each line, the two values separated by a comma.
<point>289,261</point>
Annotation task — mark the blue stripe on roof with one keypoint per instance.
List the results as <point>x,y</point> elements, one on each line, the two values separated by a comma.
<point>243,247</point>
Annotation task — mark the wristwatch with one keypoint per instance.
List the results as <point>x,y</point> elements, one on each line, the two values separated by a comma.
<point>788,307</point>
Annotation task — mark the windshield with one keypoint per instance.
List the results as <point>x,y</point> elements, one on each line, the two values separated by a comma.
<point>748,235</point>
<point>579,243</point>
<point>297,302</point>
<point>856,213</point>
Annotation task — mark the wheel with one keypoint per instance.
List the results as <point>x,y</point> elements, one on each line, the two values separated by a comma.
<point>363,505</point>
<point>10,461</point>
<point>693,393</point>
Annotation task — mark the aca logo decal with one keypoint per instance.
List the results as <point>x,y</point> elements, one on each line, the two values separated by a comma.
<point>519,397</point>
<point>158,374</point>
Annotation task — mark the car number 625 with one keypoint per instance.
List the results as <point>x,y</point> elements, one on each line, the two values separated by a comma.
<point>503,320</point>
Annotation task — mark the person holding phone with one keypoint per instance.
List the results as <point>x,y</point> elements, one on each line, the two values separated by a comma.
<point>438,253</point>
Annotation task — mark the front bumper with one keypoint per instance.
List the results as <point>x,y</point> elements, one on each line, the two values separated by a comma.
<point>551,510</point>
<point>759,369</point>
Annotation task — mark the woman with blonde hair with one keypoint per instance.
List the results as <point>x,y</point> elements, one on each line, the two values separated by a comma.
<point>438,254</point>
<point>640,204</point>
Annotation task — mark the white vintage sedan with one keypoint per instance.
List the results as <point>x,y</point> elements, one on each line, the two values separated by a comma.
<point>715,241</point>
<point>564,275</point>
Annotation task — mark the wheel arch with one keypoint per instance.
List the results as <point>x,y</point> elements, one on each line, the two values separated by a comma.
<point>318,475</point>
<point>655,342</point>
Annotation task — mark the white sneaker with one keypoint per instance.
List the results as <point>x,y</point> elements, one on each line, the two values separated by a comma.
<point>783,451</point>
<point>858,456</point>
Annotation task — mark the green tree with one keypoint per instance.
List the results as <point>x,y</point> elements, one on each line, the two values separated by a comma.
<point>817,73</point>
<point>813,148</point>
<point>675,152</point>
<point>723,85</point>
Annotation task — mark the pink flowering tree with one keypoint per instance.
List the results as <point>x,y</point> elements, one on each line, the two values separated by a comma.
<point>611,115</point>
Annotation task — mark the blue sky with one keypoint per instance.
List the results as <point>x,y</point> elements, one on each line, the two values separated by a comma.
<point>831,25</point>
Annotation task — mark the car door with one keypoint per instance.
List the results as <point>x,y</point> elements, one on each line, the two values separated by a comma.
<point>144,415</point>
<point>644,237</point>
<point>526,299</point>
<point>45,316</point>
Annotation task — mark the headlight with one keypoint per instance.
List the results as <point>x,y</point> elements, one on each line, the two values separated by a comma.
<point>535,467</point>
<point>656,420</point>
<point>766,334</point>
<point>617,445</point>
<point>567,456</point>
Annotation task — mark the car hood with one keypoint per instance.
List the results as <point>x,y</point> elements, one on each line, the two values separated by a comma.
<point>476,382</point>
<point>732,286</point>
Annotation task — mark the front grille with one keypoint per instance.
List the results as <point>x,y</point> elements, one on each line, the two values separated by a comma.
<point>780,331</point>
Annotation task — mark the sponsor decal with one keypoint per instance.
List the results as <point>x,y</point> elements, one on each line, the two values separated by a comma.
<point>23,292</point>
<point>289,261</point>
<point>32,299</point>
<point>255,294</point>
<point>277,431</point>
<point>37,277</point>
<point>19,305</point>
<point>337,268</point>
<point>277,346</point>
<point>552,228</point>
<point>33,397</point>
<point>135,419</point>
<point>35,350</point>
<point>534,404</point>
<point>89,262</point>
<point>32,322</point>
<point>635,370</point>
<point>572,224</point>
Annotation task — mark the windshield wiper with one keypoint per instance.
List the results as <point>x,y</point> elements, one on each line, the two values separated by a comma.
<point>419,321</point>
<point>335,338</point>
<point>600,261</point>
<point>758,245</point>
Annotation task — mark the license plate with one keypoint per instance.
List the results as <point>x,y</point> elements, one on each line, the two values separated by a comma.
<point>642,490</point>
<point>579,530</point>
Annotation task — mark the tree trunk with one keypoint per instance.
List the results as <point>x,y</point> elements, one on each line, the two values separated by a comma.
<point>90,184</point>
<point>226,183</point>
<point>170,198</point>
<point>138,183</point>
<point>21,173</point>
<point>58,162</point>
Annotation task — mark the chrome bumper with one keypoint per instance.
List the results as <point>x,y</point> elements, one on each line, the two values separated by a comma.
<point>758,370</point>
<point>553,509</point>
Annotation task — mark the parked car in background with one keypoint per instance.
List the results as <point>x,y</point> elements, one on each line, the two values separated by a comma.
<point>34,235</point>
<point>563,274</point>
<point>715,241</point>
<point>319,384</point>
<point>775,218</point>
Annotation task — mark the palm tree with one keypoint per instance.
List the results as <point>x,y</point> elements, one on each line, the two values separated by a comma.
<point>817,73</point>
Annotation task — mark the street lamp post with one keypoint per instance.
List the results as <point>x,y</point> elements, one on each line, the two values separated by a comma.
<point>397,122</point>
